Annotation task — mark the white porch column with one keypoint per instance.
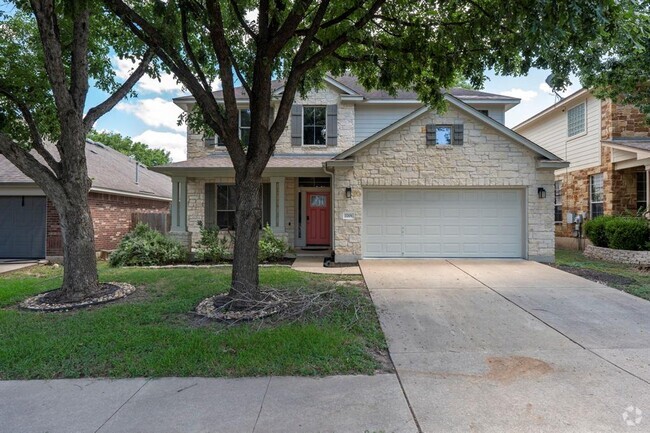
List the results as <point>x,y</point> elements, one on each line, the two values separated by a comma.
<point>179,204</point>
<point>277,204</point>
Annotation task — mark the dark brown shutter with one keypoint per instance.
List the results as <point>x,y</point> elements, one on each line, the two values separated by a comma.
<point>210,205</point>
<point>332,125</point>
<point>431,134</point>
<point>458,135</point>
<point>296,125</point>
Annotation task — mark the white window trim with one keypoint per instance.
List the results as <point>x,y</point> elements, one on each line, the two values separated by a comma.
<point>319,146</point>
<point>216,139</point>
<point>591,202</point>
<point>555,205</point>
<point>579,134</point>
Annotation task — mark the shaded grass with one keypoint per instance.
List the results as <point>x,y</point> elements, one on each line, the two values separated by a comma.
<point>640,285</point>
<point>154,333</point>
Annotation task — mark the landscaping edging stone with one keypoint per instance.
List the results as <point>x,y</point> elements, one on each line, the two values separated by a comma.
<point>35,303</point>
<point>618,256</point>
<point>217,265</point>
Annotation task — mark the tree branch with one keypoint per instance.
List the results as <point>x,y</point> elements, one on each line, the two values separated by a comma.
<point>110,102</point>
<point>27,163</point>
<point>35,135</point>
<point>79,62</point>
<point>242,20</point>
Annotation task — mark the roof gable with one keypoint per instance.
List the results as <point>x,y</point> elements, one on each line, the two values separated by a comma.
<point>464,108</point>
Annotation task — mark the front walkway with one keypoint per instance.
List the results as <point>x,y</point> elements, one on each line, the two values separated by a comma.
<point>513,346</point>
<point>314,264</point>
<point>192,405</point>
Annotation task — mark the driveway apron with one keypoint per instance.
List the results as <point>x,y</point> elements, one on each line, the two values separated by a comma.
<point>513,346</point>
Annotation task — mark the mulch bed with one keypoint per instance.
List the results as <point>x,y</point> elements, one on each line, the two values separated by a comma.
<point>598,276</point>
<point>51,301</point>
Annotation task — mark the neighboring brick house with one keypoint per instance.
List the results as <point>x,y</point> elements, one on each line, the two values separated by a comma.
<point>608,148</point>
<point>29,223</point>
<point>367,175</point>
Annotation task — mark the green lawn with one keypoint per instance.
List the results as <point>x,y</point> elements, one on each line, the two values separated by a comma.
<point>625,277</point>
<point>154,333</point>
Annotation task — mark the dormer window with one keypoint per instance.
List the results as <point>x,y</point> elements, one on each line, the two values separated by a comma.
<point>314,125</point>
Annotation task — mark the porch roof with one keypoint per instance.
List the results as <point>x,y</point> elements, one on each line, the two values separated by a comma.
<point>635,152</point>
<point>222,162</point>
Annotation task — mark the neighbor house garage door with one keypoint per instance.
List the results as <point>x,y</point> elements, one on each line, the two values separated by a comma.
<point>22,227</point>
<point>443,223</point>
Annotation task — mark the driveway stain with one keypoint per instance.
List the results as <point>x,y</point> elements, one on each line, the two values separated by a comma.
<point>511,368</point>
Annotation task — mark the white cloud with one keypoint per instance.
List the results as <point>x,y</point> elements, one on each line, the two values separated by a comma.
<point>523,94</point>
<point>167,83</point>
<point>156,112</point>
<point>175,144</point>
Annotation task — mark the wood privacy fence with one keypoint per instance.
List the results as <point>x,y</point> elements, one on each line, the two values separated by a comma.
<point>157,221</point>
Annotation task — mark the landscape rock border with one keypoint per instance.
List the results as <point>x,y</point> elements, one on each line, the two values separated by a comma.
<point>35,303</point>
<point>627,257</point>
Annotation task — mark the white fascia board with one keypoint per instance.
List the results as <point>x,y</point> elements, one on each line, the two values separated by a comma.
<point>552,165</point>
<point>129,194</point>
<point>569,99</point>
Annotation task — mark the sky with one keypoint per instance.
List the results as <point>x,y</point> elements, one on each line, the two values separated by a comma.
<point>152,117</point>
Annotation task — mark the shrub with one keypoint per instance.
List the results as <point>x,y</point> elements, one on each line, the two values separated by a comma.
<point>271,247</point>
<point>626,233</point>
<point>146,247</point>
<point>212,247</point>
<point>595,230</point>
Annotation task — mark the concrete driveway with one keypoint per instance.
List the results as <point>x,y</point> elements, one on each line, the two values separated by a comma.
<point>513,346</point>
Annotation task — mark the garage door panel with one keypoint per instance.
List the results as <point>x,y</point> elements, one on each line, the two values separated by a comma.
<point>443,223</point>
<point>22,227</point>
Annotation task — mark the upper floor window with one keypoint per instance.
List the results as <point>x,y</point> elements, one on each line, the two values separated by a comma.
<point>443,135</point>
<point>576,120</point>
<point>484,112</point>
<point>314,125</point>
<point>558,201</point>
<point>244,128</point>
<point>596,195</point>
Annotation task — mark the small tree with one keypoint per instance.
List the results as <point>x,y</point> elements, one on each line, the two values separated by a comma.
<point>388,44</point>
<point>49,50</point>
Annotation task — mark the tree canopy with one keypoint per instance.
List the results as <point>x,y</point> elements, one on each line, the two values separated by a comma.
<point>140,151</point>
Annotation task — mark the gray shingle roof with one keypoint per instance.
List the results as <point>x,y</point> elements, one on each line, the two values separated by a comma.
<point>276,161</point>
<point>353,84</point>
<point>634,143</point>
<point>109,170</point>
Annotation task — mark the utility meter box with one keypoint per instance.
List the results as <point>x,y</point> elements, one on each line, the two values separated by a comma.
<point>570,218</point>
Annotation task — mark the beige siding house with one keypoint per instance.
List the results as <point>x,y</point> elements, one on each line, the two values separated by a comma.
<point>363,174</point>
<point>608,148</point>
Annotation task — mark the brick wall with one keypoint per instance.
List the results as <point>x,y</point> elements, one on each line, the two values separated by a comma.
<point>111,217</point>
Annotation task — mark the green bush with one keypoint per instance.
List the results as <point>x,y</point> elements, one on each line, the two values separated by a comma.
<point>271,247</point>
<point>212,247</point>
<point>147,247</point>
<point>595,230</point>
<point>627,233</point>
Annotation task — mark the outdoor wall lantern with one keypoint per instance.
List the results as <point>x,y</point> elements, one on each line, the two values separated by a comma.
<point>348,192</point>
<point>541,192</point>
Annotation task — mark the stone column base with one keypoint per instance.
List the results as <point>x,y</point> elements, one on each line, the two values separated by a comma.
<point>183,238</point>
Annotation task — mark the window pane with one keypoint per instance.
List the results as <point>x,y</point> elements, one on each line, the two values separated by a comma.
<point>596,210</point>
<point>245,135</point>
<point>443,135</point>
<point>576,120</point>
<point>245,118</point>
<point>597,188</point>
<point>314,129</point>
<point>319,116</point>
<point>641,190</point>
<point>222,197</point>
<point>308,116</point>
<point>226,220</point>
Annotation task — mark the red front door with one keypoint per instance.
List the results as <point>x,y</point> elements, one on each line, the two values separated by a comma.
<point>318,218</point>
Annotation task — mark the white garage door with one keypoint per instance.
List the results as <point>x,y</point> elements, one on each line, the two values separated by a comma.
<point>443,223</point>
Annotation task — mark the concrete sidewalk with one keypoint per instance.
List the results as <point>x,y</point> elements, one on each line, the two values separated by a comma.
<point>193,405</point>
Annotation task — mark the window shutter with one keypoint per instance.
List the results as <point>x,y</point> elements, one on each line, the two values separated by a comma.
<point>332,125</point>
<point>210,141</point>
<point>431,134</point>
<point>210,205</point>
<point>458,135</point>
<point>296,125</point>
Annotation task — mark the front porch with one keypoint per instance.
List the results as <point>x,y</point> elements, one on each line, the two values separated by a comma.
<point>631,163</point>
<point>295,199</point>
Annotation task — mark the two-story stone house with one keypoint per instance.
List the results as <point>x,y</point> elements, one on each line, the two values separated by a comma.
<point>608,147</point>
<point>367,174</point>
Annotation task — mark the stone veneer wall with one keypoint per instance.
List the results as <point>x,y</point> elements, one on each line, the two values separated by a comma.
<point>327,96</point>
<point>196,203</point>
<point>618,256</point>
<point>487,159</point>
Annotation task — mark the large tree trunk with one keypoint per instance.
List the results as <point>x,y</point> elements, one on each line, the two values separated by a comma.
<point>245,273</point>
<point>80,278</point>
